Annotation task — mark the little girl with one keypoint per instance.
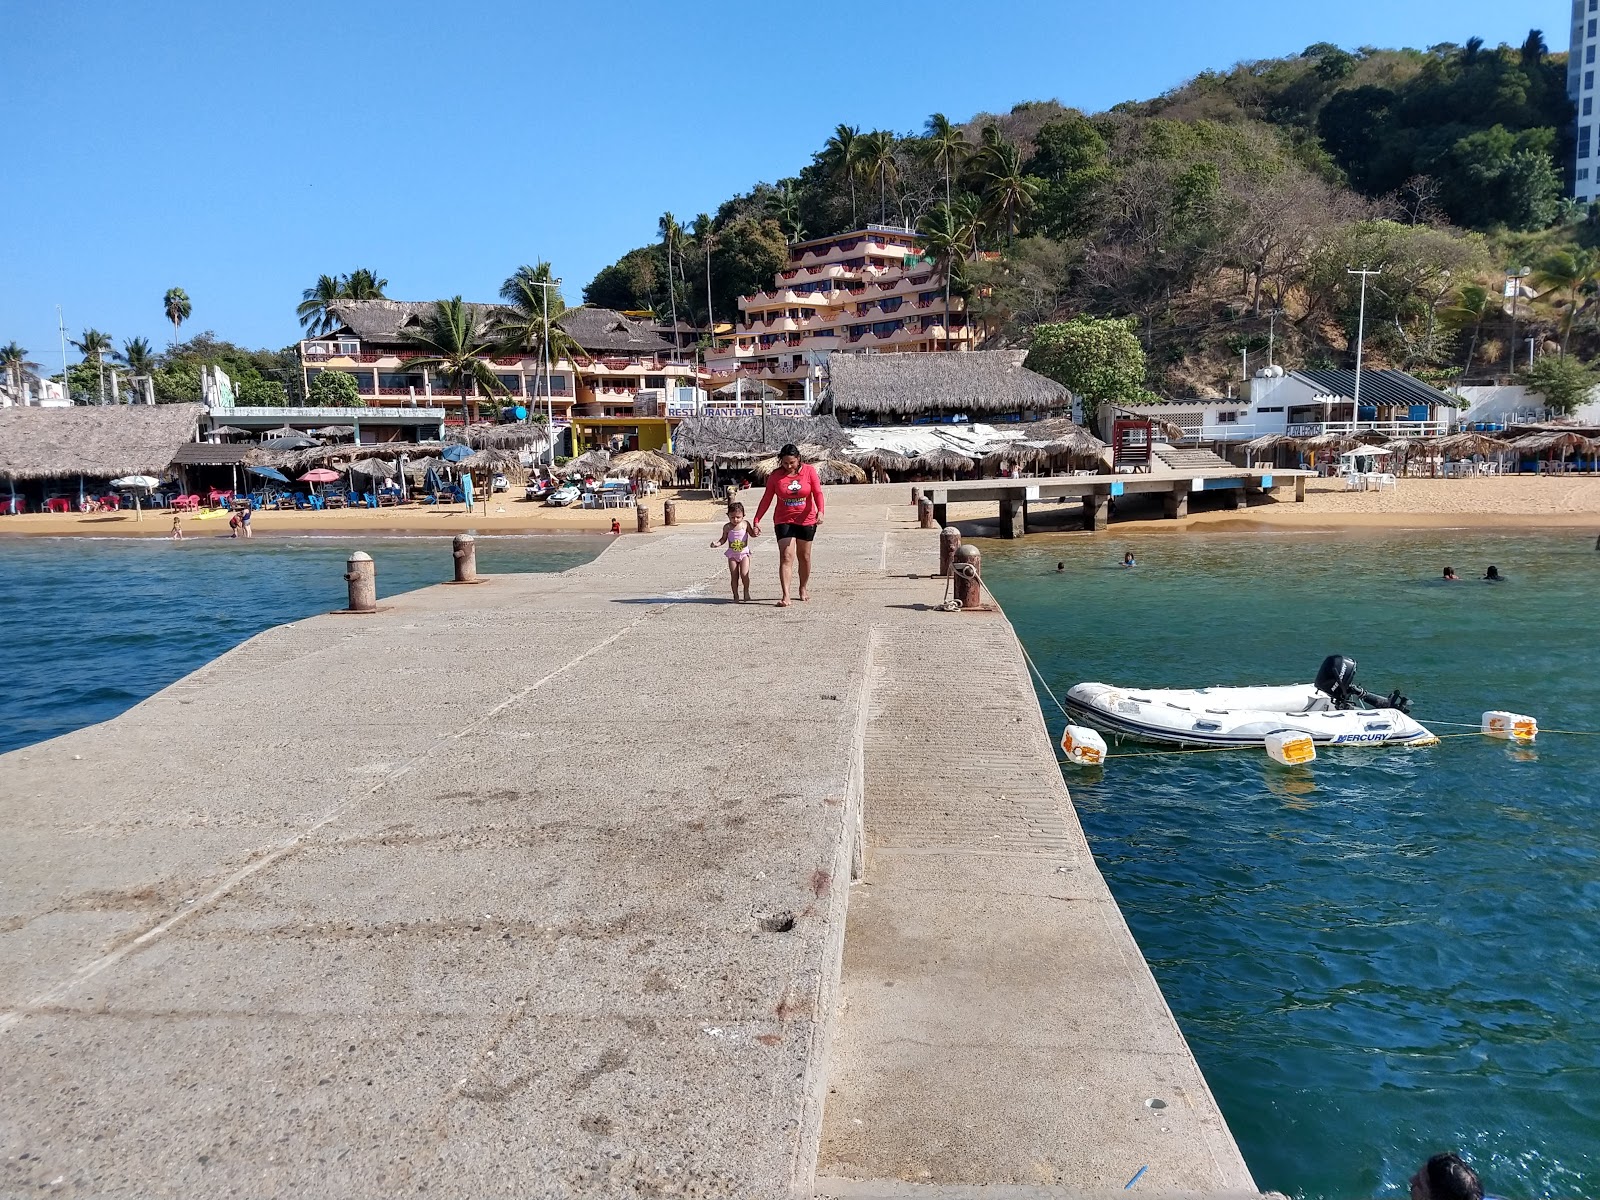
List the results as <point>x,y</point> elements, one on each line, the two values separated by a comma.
<point>736,535</point>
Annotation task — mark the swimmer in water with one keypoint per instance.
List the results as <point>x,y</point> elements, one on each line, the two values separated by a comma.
<point>1492,575</point>
<point>1060,566</point>
<point>1450,575</point>
<point>1128,560</point>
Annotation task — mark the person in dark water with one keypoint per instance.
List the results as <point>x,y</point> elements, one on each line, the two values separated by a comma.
<point>1061,566</point>
<point>1492,575</point>
<point>1128,560</point>
<point>1450,575</point>
<point>1446,1177</point>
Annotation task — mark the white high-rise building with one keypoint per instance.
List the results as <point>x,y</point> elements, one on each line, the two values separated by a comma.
<point>1581,68</point>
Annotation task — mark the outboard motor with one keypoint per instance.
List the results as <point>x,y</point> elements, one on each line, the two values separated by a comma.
<point>1336,679</point>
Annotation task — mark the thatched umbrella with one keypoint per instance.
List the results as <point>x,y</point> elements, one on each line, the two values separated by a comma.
<point>594,462</point>
<point>375,468</point>
<point>508,436</point>
<point>644,464</point>
<point>944,459</point>
<point>837,470</point>
<point>1547,443</point>
<point>335,431</point>
<point>233,431</point>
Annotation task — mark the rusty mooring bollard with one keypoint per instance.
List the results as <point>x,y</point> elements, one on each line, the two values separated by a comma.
<point>949,540</point>
<point>925,513</point>
<point>968,571</point>
<point>361,573</point>
<point>642,515</point>
<point>465,549</point>
<point>669,512</point>
<point>916,495</point>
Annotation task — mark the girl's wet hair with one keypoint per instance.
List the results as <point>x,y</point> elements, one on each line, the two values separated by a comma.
<point>734,506</point>
<point>788,450</point>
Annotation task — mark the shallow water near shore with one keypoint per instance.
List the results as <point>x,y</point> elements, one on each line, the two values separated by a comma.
<point>93,626</point>
<point>1388,953</point>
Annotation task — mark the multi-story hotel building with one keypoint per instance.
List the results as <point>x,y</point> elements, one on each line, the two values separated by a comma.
<point>622,359</point>
<point>1581,68</point>
<point>873,289</point>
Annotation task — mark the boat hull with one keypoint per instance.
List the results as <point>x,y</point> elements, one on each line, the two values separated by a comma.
<point>1237,716</point>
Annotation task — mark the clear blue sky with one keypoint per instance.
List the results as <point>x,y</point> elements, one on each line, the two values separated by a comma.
<point>239,149</point>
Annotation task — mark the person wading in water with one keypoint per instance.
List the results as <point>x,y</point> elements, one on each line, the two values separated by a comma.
<point>797,491</point>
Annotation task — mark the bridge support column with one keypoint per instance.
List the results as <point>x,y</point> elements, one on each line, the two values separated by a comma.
<point>1013,517</point>
<point>941,515</point>
<point>1299,489</point>
<point>1177,502</point>
<point>1095,505</point>
<point>1232,497</point>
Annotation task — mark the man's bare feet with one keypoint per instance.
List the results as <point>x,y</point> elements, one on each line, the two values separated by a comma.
<point>783,604</point>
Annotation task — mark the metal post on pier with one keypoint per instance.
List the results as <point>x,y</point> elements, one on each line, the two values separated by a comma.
<point>361,573</point>
<point>641,516</point>
<point>924,513</point>
<point>464,548</point>
<point>949,543</point>
<point>967,570</point>
<point>669,512</point>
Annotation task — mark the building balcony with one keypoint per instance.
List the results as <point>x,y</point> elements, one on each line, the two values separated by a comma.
<point>1390,429</point>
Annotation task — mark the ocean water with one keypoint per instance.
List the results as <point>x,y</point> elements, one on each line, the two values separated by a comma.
<point>93,626</point>
<point>1388,953</point>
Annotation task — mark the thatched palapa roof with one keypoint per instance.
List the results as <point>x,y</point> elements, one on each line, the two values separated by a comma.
<point>741,436</point>
<point>98,442</point>
<point>974,382</point>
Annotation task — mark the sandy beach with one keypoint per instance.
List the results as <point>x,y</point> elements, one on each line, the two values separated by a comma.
<point>1510,502</point>
<point>504,513</point>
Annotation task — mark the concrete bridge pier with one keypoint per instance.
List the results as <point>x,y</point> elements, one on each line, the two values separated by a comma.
<point>1299,489</point>
<point>941,515</point>
<point>1096,505</point>
<point>1013,516</point>
<point>1176,502</point>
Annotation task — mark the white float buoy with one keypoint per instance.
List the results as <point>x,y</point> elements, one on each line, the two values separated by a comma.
<point>1291,747</point>
<point>1083,746</point>
<point>1510,726</point>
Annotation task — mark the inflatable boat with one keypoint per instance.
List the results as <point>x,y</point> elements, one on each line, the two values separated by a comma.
<point>1333,711</point>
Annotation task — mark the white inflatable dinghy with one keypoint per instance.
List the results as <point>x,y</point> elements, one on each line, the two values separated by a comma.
<point>1244,716</point>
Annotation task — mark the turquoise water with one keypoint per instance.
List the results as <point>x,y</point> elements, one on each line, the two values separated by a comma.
<point>1388,953</point>
<point>92,626</point>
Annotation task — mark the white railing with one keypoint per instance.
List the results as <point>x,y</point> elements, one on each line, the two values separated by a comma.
<point>331,415</point>
<point>1394,429</point>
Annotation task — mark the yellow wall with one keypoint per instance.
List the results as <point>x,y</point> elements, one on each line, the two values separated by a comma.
<point>589,432</point>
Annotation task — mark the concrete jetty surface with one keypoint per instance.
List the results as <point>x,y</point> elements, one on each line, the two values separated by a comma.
<point>540,888</point>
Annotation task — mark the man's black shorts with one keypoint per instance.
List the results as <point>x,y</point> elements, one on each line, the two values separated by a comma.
<point>804,532</point>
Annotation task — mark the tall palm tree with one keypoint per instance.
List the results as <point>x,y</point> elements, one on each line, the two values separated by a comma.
<point>843,154</point>
<point>137,356</point>
<point>672,238</point>
<point>175,304</point>
<point>784,204</point>
<point>945,235</point>
<point>945,148</point>
<point>14,361</point>
<point>878,162</point>
<point>705,235</point>
<point>94,346</point>
<point>1473,307</point>
<point>450,343</point>
<point>1008,194</point>
<point>314,309</point>
<point>521,326</point>
<point>1572,272</point>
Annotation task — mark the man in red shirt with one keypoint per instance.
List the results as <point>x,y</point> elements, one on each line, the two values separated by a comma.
<point>797,493</point>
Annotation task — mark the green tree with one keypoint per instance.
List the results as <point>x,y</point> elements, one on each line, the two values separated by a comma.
<point>1008,193</point>
<point>314,309</point>
<point>1474,305</point>
<point>878,162</point>
<point>1573,274</point>
<point>1564,382</point>
<point>520,327</point>
<point>944,148</point>
<point>18,368</point>
<point>334,389</point>
<point>175,305</point>
<point>451,342</point>
<point>364,284</point>
<point>1072,159</point>
<point>946,237</point>
<point>632,282</point>
<point>784,205</point>
<point>137,356</point>
<point>1099,361</point>
<point>843,155</point>
<point>1023,288</point>
<point>94,345</point>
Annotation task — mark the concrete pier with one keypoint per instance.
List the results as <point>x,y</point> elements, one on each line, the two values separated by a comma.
<point>519,890</point>
<point>1095,492</point>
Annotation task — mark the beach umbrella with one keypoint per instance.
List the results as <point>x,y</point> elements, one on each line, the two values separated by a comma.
<point>837,470</point>
<point>646,464</point>
<point>278,445</point>
<point>335,431</point>
<point>944,459</point>
<point>233,431</point>
<point>137,484</point>
<point>319,475</point>
<point>455,452</point>
<point>594,462</point>
<point>271,473</point>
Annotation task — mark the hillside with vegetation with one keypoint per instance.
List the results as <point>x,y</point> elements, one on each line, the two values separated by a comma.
<point>1216,221</point>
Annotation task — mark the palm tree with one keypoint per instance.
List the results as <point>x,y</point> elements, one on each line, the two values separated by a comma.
<point>137,356</point>
<point>877,161</point>
<point>784,204</point>
<point>945,148</point>
<point>843,152</point>
<point>14,361</point>
<point>1475,305</point>
<point>1572,272</point>
<point>314,309</point>
<point>521,326</point>
<point>177,308</point>
<point>94,345</point>
<point>1008,194</point>
<point>946,235</point>
<point>672,238</point>
<point>362,284</point>
<point>705,236</point>
<point>450,343</point>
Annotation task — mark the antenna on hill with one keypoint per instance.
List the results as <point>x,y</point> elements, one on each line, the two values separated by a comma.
<point>1361,328</point>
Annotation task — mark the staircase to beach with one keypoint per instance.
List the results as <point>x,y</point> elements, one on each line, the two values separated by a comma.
<point>1188,458</point>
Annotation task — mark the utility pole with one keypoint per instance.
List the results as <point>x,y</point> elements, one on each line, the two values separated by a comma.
<point>1272,330</point>
<point>66,383</point>
<point>1361,329</point>
<point>1514,277</point>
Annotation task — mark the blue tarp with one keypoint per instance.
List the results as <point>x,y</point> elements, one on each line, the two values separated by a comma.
<point>269,473</point>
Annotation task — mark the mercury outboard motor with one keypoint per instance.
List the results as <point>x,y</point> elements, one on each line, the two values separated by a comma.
<point>1336,679</point>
